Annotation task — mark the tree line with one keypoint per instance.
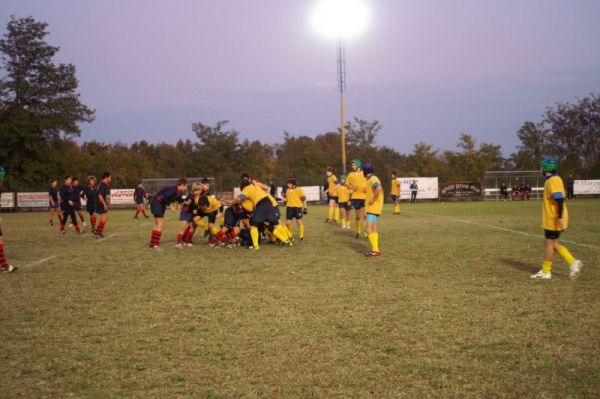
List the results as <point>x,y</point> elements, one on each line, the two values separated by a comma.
<point>41,114</point>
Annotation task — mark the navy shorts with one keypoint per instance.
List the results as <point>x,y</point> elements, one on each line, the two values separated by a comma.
<point>231,218</point>
<point>77,206</point>
<point>212,216</point>
<point>91,208</point>
<point>157,208</point>
<point>358,203</point>
<point>264,212</point>
<point>186,216</point>
<point>293,213</point>
<point>345,205</point>
<point>335,199</point>
<point>552,234</point>
<point>100,209</point>
<point>394,197</point>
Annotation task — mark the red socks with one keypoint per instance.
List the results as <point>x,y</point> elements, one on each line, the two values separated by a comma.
<point>93,221</point>
<point>179,238</point>
<point>3,262</point>
<point>155,239</point>
<point>187,237</point>
<point>100,228</point>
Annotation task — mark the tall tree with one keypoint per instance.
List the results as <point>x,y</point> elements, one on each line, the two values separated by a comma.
<point>39,103</point>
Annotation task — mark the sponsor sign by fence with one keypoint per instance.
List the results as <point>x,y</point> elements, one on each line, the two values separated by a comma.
<point>7,200</point>
<point>123,196</point>
<point>32,200</point>
<point>586,187</point>
<point>428,187</point>
<point>461,190</point>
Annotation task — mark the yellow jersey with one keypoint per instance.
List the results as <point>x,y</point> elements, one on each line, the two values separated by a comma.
<point>213,204</point>
<point>253,193</point>
<point>247,205</point>
<point>395,189</point>
<point>333,181</point>
<point>553,188</point>
<point>372,184</point>
<point>359,180</point>
<point>343,194</point>
<point>295,197</point>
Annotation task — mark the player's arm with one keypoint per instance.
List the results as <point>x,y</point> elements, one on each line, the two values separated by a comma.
<point>376,193</point>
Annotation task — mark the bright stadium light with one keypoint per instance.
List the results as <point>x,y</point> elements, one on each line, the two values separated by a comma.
<point>340,18</point>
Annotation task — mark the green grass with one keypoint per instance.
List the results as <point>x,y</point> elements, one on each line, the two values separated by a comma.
<point>447,311</point>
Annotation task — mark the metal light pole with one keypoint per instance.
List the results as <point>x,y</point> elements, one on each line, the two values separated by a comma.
<point>341,66</point>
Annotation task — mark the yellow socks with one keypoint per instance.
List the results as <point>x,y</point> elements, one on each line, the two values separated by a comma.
<point>254,235</point>
<point>270,235</point>
<point>280,233</point>
<point>566,255</point>
<point>358,226</point>
<point>374,240</point>
<point>290,231</point>
<point>301,231</point>
<point>547,266</point>
<point>397,208</point>
<point>215,230</point>
<point>337,214</point>
<point>330,216</point>
<point>348,223</point>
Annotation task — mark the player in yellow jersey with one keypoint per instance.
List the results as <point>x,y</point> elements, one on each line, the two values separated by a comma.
<point>344,203</point>
<point>209,207</point>
<point>374,208</point>
<point>395,192</point>
<point>555,219</point>
<point>333,185</point>
<point>357,183</point>
<point>295,207</point>
<point>263,212</point>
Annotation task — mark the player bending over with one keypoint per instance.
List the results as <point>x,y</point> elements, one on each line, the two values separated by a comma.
<point>167,197</point>
<point>555,219</point>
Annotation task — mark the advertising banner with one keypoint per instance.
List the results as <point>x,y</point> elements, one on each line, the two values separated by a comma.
<point>461,190</point>
<point>428,187</point>
<point>32,200</point>
<point>583,187</point>
<point>7,200</point>
<point>122,196</point>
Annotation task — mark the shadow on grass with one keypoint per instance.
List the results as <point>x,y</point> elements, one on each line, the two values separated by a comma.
<point>519,265</point>
<point>359,245</point>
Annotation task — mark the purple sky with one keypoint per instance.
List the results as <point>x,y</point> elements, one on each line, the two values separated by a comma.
<point>427,70</point>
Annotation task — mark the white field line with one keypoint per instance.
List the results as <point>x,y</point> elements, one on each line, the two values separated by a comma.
<point>39,262</point>
<point>491,226</point>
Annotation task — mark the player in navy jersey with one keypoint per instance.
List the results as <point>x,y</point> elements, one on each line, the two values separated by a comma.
<point>102,204</point>
<point>53,202</point>
<point>77,194</point>
<point>187,227</point>
<point>90,193</point>
<point>4,266</point>
<point>67,198</point>
<point>139,195</point>
<point>169,196</point>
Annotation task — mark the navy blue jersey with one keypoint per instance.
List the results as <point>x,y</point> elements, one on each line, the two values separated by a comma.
<point>139,194</point>
<point>104,191</point>
<point>77,193</point>
<point>168,195</point>
<point>53,193</point>
<point>66,194</point>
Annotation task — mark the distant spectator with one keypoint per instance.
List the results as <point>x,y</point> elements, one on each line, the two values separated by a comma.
<point>528,191</point>
<point>522,191</point>
<point>504,191</point>
<point>273,190</point>
<point>414,189</point>
<point>570,187</point>
<point>514,191</point>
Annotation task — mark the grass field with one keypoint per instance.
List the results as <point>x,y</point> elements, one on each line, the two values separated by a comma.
<point>447,311</point>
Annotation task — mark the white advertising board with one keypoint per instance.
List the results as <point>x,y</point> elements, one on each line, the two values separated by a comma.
<point>428,187</point>
<point>583,187</point>
<point>7,200</point>
<point>123,196</point>
<point>33,200</point>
